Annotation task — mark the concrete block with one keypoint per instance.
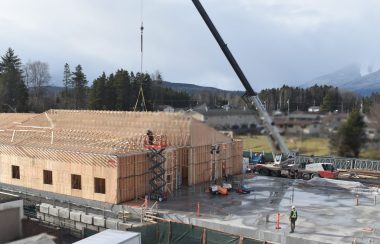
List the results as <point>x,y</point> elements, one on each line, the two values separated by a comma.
<point>75,215</point>
<point>70,224</point>
<point>99,221</point>
<point>56,221</point>
<point>53,211</point>
<point>40,216</point>
<point>124,226</point>
<point>101,229</point>
<point>92,227</point>
<point>64,213</point>
<point>52,219</point>
<point>79,225</point>
<point>49,218</point>
<point>44,208</point>
<point>112,224</point>
<point>87,219</point>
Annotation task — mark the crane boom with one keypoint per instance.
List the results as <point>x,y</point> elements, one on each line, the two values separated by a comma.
<point>274,136</point>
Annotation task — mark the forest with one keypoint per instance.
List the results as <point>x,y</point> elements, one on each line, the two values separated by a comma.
<point>27,88</point>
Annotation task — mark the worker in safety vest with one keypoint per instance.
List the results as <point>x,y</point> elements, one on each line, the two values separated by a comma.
<point>293,217</point>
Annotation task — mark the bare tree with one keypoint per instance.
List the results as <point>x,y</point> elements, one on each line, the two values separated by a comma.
<point>37,77</point>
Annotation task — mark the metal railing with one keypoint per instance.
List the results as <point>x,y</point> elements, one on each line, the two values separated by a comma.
<point>342,163</point>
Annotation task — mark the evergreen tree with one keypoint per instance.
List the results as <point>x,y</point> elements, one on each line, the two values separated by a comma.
<point>97,94</point>
<point>120,90</point>
<point>328,97</point>
<point>123,90</point>
<point>350,137</point>
<point>176,99</point>
<point>331,101</point>
<point>13,91</point>
<point>68,86</point>
<point>110,94</point>
<point>79,87</point>
<point>328,103</point>
<point>144,81</point>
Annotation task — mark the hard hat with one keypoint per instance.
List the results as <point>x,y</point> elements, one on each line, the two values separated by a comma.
<point>293,207</point>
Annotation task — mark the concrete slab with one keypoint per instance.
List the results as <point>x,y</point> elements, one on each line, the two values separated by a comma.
<point>327,212</point>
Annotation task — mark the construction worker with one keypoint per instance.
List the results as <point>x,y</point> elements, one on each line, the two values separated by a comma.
<point>149,133</point>
<point>293,217</point>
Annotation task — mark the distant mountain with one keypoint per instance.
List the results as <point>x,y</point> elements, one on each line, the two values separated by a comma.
<point>51,90</point>
<point>364,85</point>
<point>54,89</point>
<point>337,78</point>
<point>192,89</point>
<point>350,78</point>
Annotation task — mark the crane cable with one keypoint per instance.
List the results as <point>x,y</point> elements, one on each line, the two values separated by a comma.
<point>141,91</point>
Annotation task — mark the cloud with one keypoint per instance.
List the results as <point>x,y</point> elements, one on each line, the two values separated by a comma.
<point>275,42</point>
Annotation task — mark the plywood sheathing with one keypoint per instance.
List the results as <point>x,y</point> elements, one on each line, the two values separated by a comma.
<point>200,162</point>
<point>10,119</point>
<point>31,176</point>
<point>201,134</point>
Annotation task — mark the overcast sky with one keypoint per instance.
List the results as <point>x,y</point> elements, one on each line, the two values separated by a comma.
<point>275,42</point>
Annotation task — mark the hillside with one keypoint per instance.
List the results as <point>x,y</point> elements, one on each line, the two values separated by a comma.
<point>349,78</point>
<point>365,85</point>
<point>338,77</point>
<point>192,89</point>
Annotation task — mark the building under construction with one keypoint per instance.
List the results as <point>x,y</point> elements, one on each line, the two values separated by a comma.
<point>100,155</point>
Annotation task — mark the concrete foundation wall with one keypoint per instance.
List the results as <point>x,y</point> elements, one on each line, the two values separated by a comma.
<point>77,220</point>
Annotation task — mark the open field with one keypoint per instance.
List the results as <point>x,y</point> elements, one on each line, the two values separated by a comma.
<point>311,146</point>
<point>314,146</point>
